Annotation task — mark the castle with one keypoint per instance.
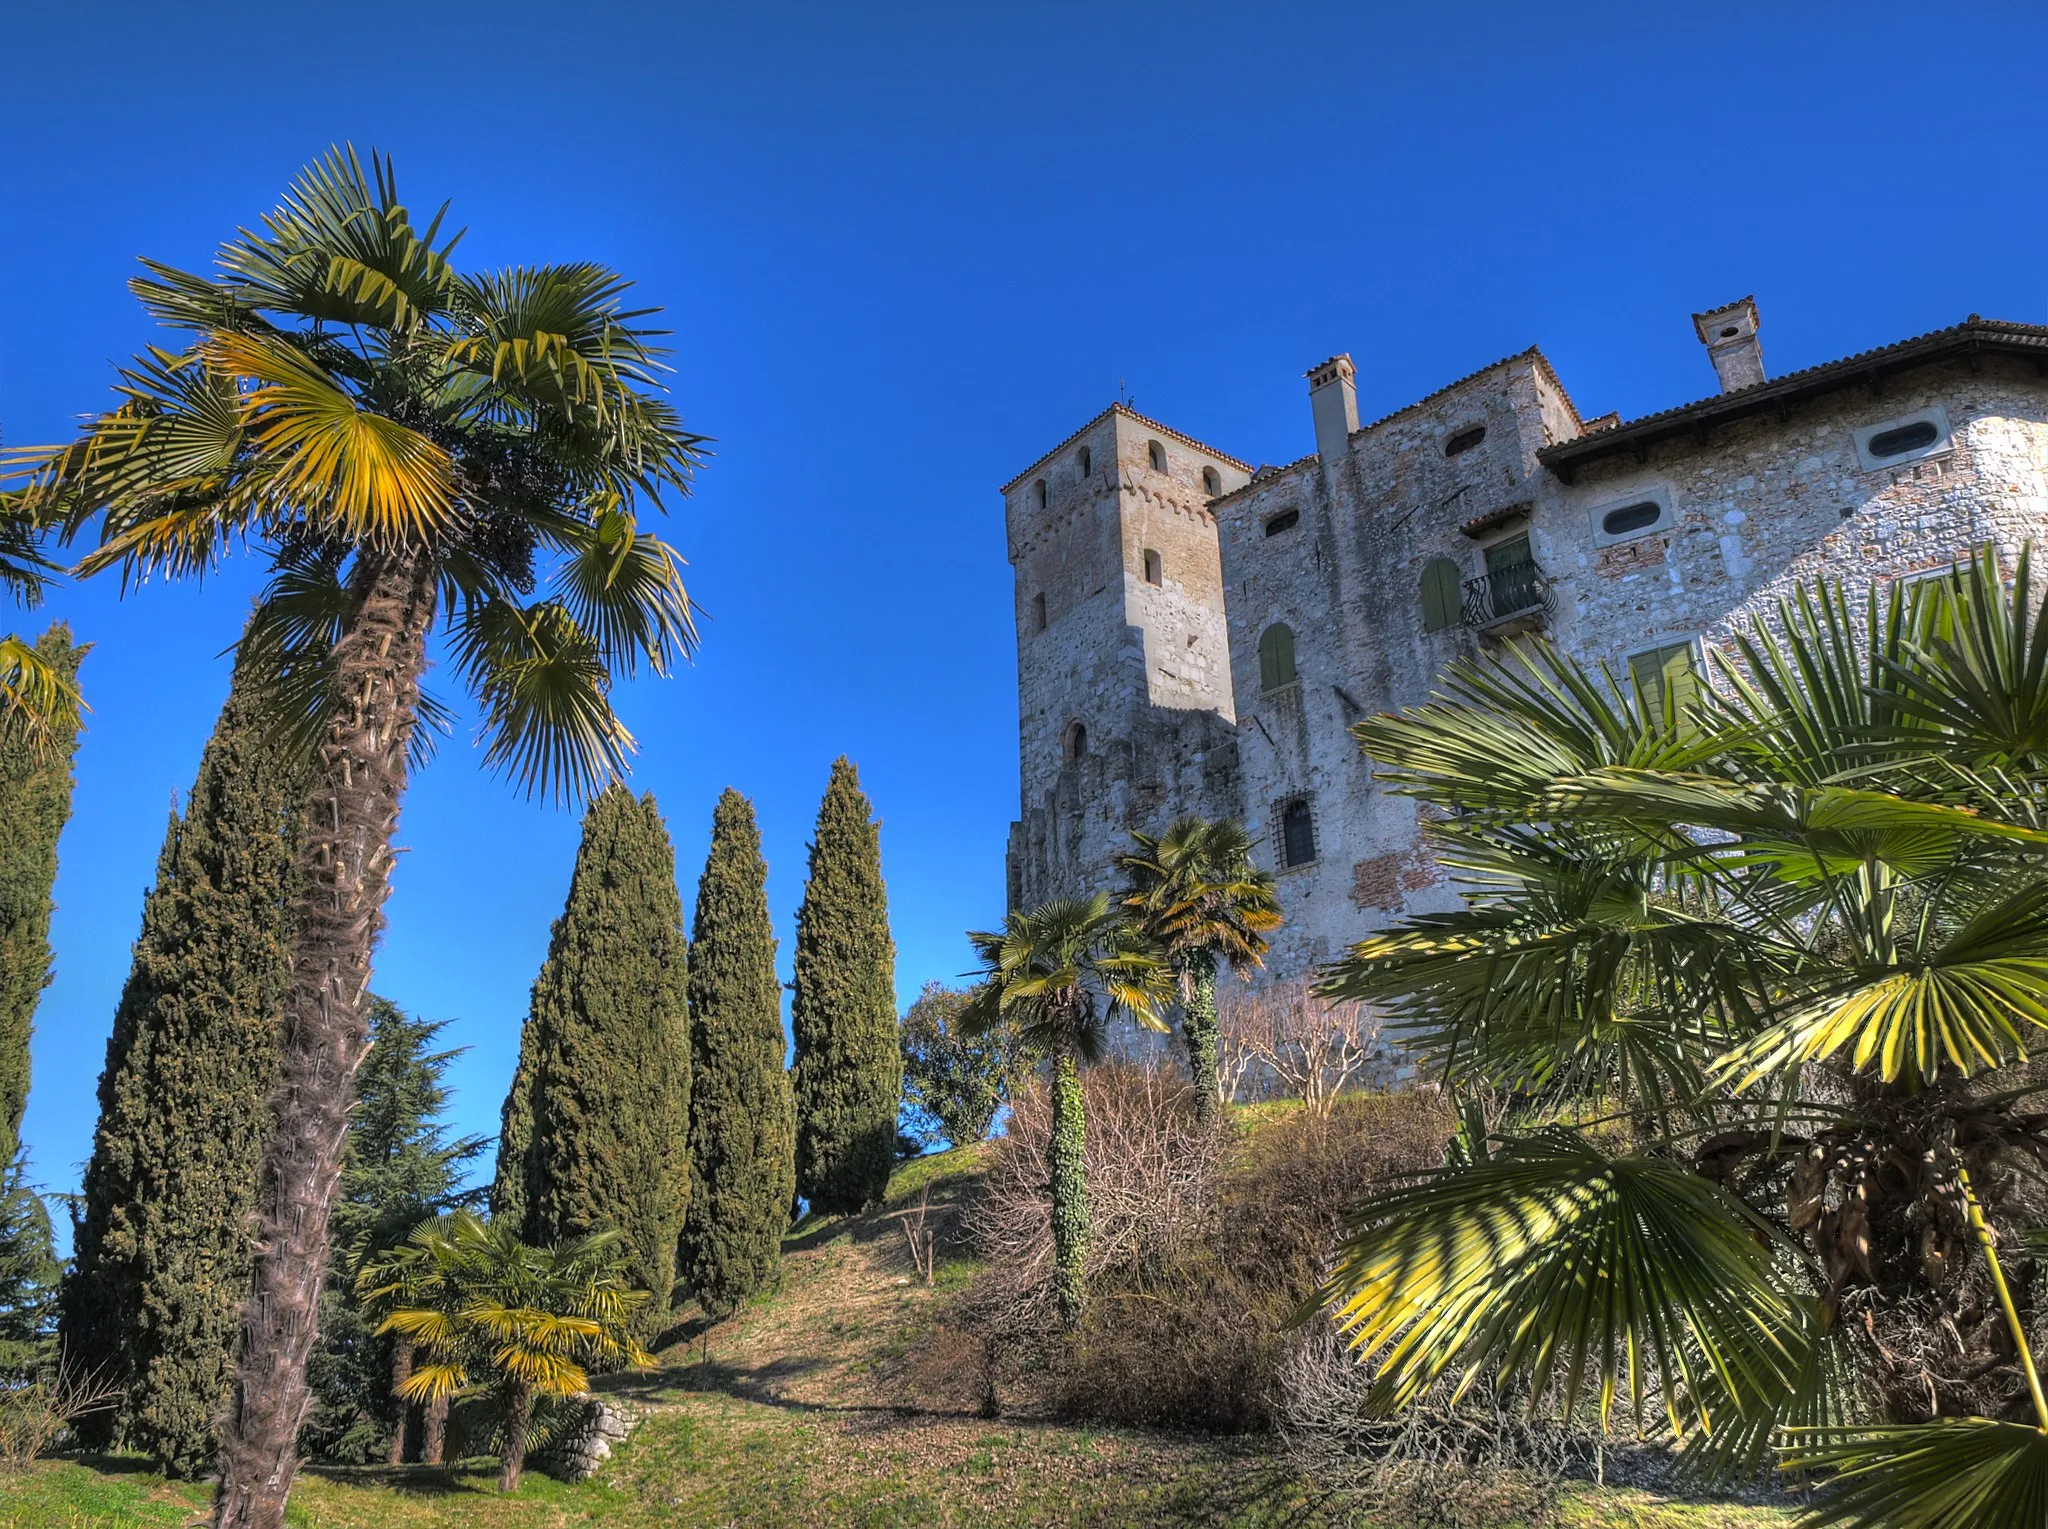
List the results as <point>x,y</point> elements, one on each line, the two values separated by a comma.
<point>1194,635</point>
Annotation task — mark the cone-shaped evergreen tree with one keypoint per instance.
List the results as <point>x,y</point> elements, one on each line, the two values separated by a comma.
<point>849,1069</point>
<point>163,1244</point>
<point>742,1135</point>
<point>35,799</point>
<point>599,1136</point>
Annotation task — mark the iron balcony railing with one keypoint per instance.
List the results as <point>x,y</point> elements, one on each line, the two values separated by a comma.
<point>1514,592</point>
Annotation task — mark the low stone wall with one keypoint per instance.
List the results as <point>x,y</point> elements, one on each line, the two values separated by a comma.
<point>602,1425</point>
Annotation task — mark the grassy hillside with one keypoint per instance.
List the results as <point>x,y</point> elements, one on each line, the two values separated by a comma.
<point>811,1408</point>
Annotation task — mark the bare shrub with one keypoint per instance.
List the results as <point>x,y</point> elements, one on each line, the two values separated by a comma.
<point>1151,1168</point>
<point>923,1239</point>
<point>1281,1039</point>
<point>36,1411</point>
<point>1441,1464</point>
<point>1206,1244</point>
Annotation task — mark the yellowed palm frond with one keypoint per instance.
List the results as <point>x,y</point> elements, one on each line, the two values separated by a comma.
<point>368,477</point>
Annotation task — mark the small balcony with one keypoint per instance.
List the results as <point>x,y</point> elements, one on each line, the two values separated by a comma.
<point>1513,596</point>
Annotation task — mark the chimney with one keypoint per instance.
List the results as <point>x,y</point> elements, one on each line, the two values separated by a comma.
<point>1333,399</point>
<point>1729,333</point>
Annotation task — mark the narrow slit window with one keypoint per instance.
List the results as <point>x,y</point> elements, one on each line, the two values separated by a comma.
<point>1077,743</point>
<point>1155,571</point>
<point>1084,461</point>
<point>1157,455</point>
<point>1039,489</point>
<point>1212,482</point>
<point>1297,834</point>
<point>1038,613</point>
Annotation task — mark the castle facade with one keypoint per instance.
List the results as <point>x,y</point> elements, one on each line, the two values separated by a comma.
<point>1194,635</point>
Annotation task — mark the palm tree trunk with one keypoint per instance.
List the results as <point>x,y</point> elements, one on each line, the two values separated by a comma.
<point>434,1431</point>
<point>1069,1188</point>
<point>401,1372</point>
<point>518,1414</point>
<point>342,876</point>
<point>1198,1028</point>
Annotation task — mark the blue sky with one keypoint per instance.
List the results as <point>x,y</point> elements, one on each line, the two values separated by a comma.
<point>908,248</point>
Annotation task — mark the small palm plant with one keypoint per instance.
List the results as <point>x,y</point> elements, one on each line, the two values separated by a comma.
<point>1058,976</point>
<point>1759,967</point>
<point>406,443</point>
<point>1197,896</point>
<point>515,1322</point>
<point>402,1278</point>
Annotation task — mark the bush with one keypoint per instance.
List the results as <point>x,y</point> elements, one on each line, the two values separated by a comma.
<point>37,1410</point>
<point>1206,1243</point>
<point>953,1085</point>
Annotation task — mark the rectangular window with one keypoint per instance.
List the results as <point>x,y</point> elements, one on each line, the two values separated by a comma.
<point>1665,671</point>
<point>1510,576</point>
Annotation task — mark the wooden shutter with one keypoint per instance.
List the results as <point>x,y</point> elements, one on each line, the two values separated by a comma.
<point>1439,594</point>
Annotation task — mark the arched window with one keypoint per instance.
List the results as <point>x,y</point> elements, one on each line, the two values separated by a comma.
<point>1038,613</point>
<point>1077,742</point>
<point>1084,461</point>
<point>1439,594</point>
<point>1276,656</point>
<point>1297,834</point>
<point>1155,571</point>
<point>1039,488</point>
<point>1212,482</point>
<point>1157,454</point>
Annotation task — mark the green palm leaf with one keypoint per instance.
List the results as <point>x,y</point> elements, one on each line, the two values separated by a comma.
<point>1555,1263</point>
<point>1953,1473</point>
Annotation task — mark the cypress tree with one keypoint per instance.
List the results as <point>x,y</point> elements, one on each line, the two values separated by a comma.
<point>163,1242</point>
<point>28,1276</point>
<point>742,1133</point>
<point>598,1121</point>
<point>849,1068</point>
<point>35,799</point>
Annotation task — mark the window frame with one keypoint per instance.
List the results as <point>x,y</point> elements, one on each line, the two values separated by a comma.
<point>1156,458</point>
<point>1658,495</point>
<point>1943,443</point>
<point>1212,482</point>
<point>1153,567</point>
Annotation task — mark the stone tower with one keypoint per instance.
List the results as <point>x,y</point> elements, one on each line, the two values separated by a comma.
<point>1123,660</point>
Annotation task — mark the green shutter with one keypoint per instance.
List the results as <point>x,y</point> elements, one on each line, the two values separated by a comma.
<point>1439,594</point>
<point>1666,670</point>
<point>1276,657</point>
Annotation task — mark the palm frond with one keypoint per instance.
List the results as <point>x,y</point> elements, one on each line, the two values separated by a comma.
<point>624,587</point>
<point>1554,1263</point>
<point>548,721</point>
<point>1952,1473</point>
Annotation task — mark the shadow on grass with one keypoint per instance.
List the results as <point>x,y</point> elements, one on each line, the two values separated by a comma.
<point>474,1477</point>
<point>759,1384</point>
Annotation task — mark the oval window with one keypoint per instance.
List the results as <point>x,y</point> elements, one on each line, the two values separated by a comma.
<point>1286,520</point>
<point>1464,441</point>
<point>1896,443</point>
<point>1631,517</point>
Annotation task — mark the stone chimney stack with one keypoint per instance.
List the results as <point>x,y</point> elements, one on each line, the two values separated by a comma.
<point>1729,333</point>
<point>1333,398</point>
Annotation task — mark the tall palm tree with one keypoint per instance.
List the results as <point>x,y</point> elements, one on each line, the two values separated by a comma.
<point>1791,943</point>
<point>520,1322</point>
<point>404,441</point>
<point>1058,976</point>
<point>1197,896</point>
